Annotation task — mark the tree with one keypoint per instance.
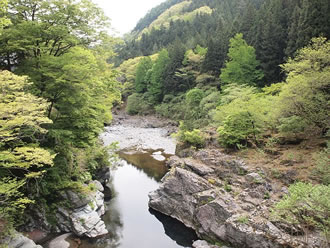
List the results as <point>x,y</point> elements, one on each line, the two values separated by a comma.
<point>52,27</point>
<point>310,20</point>
<point>141,82</point>
<point>4,21</point>
<point>156,87</point>
<point>306,92</point>
<point>63,48</point>
<point>173,83</point>
<point>23,162</point>
<point>242,65</point>
<point>271,39</point>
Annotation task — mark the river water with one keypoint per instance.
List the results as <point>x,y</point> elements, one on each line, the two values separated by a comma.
<point>129,220</point>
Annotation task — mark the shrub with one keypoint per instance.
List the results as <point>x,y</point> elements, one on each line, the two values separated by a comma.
<point>137,104</point>
<point>194,97</point>
<point>193,138</point>
<point>292,125</point>
<point>307,205</point>
<point>238,128</point>
<point>322,170</point>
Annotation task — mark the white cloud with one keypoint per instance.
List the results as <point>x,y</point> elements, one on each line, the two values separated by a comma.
<point>125,14</point>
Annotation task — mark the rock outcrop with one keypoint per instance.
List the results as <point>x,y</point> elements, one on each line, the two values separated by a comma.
<point>83,218</point>
<point>222,199</point>
<point>18,240</point>
<point>203,244</point>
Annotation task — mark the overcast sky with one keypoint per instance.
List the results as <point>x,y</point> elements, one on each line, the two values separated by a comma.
<point>125,14</point>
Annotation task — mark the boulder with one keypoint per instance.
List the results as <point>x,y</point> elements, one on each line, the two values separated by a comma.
<point>176,195</point>
<point>18,240</point>
<point>254,178</point>
<point>203,244</point>
<point>84,219</point>
<point>60,241</point>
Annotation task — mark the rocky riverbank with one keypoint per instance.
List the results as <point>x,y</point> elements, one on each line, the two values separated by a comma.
<point>223,199</point>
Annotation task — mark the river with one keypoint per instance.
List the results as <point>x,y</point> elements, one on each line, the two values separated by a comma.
<point>128,219</point>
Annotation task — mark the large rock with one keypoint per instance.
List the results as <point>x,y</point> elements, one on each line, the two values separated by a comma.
<point>222,200</point>
<point>84,218</point>
<point>175,197</point>
<point>203,244</point>
<point>18,240</point>
<point>60,241</point>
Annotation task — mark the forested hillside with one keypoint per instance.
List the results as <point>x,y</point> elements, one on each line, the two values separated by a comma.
<point>246,77</point>
<point>275,28</point>
<point>254,75</point>
<point>56,94</point>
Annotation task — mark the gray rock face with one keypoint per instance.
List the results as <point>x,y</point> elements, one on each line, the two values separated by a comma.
<point>203,244</point>
<point>199,168</point>
<point>84,219</point>
<point>175,197</point>
<point>60,242</point>
<point>254,178</point>
<point>196,192</point>
<point>20,241</point>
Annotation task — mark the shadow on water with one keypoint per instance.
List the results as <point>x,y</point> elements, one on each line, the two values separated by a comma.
<point>177,231</point>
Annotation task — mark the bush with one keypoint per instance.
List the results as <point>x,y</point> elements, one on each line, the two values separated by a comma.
<point>307,205</point>
<point>173,107</point>
<point>194,97</point>
<point>292,125</point>
<point>322,170</point>
<point>238,128</point>
<point>193,138</point>
<point>137,104</point>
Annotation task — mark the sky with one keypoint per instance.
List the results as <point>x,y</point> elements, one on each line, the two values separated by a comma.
<point>125,14</point>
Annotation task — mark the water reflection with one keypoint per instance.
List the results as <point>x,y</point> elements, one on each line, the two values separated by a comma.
<point>144,161</point>
<point>129,221</point>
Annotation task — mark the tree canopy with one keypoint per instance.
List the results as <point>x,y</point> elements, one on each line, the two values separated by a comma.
<point>242,65</point>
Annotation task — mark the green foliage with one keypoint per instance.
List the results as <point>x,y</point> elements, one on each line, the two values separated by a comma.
<point>49,28</point>
<point>307,205</point>
<point>322,169</point>
<point>242,66</point>
<point>138,104</point>
<point>306,92</point>
<point>292,125</point>
<point>243,219</point>
<point>63,48</point>
<point>209,103</point>
<point>4,21</point>
<point>194,97</point>
<point>22,162</point>
<point>192,138</point>
<point>238,128</point>
<point>173,107</point>
<point>200,50</point>
<point>141,80</point>
<point>242,115</point>
<point>157,77</point>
